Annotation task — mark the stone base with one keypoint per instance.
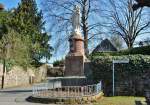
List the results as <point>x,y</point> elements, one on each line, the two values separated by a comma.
<point>76,82</point>
<point>74,65</point>
<point>87,69</point>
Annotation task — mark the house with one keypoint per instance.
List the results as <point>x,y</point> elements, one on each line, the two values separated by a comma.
<point>105,46</point>
<point>1,6</point>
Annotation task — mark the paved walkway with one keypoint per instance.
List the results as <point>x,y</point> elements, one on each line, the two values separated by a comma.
<point>16,96</point>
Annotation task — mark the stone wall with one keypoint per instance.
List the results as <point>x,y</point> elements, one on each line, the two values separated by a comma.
<point>55,71</point>
<point>17,76</point>
<point>40,73</point>
<point>136,87</point>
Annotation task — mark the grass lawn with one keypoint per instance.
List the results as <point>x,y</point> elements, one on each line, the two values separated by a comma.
<point>120,100</point>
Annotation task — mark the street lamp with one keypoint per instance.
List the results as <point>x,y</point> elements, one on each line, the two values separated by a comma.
<point>113,74</point>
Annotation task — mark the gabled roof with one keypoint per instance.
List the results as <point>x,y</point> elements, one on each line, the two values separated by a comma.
<point>105,46</point>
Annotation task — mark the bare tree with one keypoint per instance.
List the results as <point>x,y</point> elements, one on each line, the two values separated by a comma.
<point>59,14</point>
<point>127,23</point>
<point>117,41</point>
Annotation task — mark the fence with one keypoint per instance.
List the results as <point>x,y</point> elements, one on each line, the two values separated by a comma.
<point>46,90</point>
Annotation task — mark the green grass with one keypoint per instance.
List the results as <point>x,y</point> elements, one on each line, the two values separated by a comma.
<point>120,100</point>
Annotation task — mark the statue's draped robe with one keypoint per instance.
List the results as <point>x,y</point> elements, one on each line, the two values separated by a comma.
<point>76,19</point>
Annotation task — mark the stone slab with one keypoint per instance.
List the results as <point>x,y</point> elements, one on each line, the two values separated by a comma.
<point>74,66</point>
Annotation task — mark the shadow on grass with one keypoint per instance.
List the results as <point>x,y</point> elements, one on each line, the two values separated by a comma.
<point>39,100</point>
<point>138,103</point>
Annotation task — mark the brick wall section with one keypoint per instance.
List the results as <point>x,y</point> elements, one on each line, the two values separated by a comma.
<point>17,76</point>
<point>79,46</point>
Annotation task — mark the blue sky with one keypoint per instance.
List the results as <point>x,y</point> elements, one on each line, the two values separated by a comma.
<point>9,3</point>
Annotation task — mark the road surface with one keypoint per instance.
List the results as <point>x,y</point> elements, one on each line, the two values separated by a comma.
<point>16,96</point>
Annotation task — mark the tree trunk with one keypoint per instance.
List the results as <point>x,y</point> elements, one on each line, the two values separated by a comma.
<point>3,81</point>
<point>130,45</point>
<point>85,27</point>
<point>86,43</point>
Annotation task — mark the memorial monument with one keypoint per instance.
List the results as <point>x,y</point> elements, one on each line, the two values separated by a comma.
<point>74,62</point>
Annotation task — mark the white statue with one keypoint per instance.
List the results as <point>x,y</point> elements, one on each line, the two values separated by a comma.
<point>76,19</point>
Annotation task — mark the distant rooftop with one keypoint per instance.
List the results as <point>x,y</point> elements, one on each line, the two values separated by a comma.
<point>105,46</point>
<point>1,6</point>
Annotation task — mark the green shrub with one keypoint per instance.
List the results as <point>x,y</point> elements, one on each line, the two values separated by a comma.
<point>58,63</point>
<point>137,63</point>
<point>133,71</point>
<point>138,50</point>
<point>145,50</point>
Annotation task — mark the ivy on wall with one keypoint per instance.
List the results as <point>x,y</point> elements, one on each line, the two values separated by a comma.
<point>137,67</point>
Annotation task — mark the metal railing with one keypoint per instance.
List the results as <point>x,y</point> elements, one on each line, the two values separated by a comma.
<point>48,91</point>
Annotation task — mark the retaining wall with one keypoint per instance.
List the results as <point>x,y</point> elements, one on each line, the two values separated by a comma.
<point>17,76</point>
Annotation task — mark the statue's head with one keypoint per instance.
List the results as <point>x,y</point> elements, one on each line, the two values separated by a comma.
<point>77,8</point>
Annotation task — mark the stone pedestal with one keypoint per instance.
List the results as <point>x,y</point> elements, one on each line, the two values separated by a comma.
<point>74,62</point>
<point>74,65</point>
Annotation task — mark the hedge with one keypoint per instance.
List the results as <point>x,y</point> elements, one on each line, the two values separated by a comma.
<point>145,50</point>
<point>137,67</point>
<point>137,63</point>
<point>58,63</point>
<point>137,50</point>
